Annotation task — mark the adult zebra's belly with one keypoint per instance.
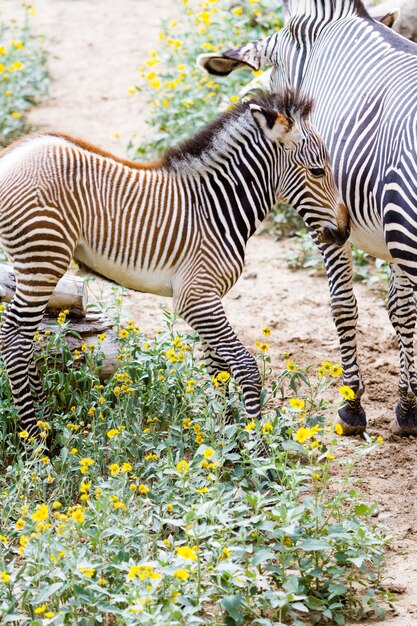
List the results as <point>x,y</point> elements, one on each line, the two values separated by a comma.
<point>371,241</point>
<point>154,280</point>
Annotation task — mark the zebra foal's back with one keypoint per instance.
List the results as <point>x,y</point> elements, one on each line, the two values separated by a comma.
<point>123,220</point>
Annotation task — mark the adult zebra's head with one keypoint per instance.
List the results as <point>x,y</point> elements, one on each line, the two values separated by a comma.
<point>304,176</point>
<point>288,49</point>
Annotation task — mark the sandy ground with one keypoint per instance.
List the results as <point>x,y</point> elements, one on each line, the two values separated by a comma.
<point>95,47</point>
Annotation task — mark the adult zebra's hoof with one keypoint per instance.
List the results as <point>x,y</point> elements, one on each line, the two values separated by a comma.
<point>405,422</point>
<point>352,418</point>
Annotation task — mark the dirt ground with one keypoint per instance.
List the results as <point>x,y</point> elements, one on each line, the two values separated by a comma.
<point>95,48</point>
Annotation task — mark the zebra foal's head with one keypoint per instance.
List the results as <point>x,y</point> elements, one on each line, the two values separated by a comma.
<point>304,177</point>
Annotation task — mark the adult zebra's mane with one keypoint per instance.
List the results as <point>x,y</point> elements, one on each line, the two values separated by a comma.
<point>290,102</point>
<point>304,6</point>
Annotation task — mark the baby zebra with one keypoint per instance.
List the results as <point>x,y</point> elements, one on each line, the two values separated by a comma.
<point>176,227</point>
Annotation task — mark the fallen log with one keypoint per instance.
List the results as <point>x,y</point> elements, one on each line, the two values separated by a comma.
<point>70,292</point>
<point>87,329</point>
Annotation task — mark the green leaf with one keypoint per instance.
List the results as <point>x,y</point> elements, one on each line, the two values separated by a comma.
<point>234,606</point>
<point>313,545</point>
<point>47,592</point>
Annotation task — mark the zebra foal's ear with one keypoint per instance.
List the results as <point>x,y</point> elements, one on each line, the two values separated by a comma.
<point>277,127</point>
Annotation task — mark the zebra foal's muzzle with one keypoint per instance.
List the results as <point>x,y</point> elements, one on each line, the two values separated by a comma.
<point>337,235</point>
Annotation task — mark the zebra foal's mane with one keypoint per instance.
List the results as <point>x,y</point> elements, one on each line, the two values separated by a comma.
<point>289,102</point>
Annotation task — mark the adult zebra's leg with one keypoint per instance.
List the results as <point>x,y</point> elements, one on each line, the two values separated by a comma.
<point>402,313</point>
<point>338,262</point>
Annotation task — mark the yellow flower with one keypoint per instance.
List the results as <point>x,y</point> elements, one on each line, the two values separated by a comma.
<point>155,83</point>
<point>347,392</point>
<point>73,451</point>
<point>266,331</point>
<point>78,516</point>
<point>123,334</point>
<point>170,507</point>
<point>23,434</point>
<point>40,609</point>
<point>181,574</point>
<point>182,466</point>
<point>186,423</point>
<point>338,429</point>
<point>234,98</point>
<point>202,490</point>
<point>267,428</point>
<point>189,554</point>
<point>302,435</point>
<point>151,456</point>
<point>226,552</point>
<point>143,488</point>
<point>199,438</point>
<point>114,469</point>
<point>237,11</point>
<point>20,524</point>
<point>87,571</point>
<point>250,425</point>
<point>49,614</point>
<point>291,366</point>
<point>379,440</point>
<point>336,371</point>
<point>126,467</point>
<point>4,540</point>
<point>208,453</point>
<point>16,114</point>
<point>4,577</point>
<point>41,513</point>
<point>297,404</point>
<point>112,433</point>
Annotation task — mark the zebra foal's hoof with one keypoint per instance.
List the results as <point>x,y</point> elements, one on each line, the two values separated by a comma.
<point>352,419</point>
<point>405,422</point>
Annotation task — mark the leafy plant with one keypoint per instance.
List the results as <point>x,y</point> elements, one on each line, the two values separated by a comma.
<point>182,97</point>
<point>23,76</point>
<point>155,511</point>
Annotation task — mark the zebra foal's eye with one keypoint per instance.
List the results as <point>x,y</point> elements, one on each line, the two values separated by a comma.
<point>317,171</point>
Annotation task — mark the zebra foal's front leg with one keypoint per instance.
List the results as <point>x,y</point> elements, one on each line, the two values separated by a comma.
<point>402,313</point>
<point>214,366</point>
<point>207,317</point>
<point>338,262</point>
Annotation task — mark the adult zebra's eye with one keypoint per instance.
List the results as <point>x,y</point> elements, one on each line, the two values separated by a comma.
<point>318,172</point>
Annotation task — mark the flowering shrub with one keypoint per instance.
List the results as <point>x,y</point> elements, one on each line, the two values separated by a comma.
<point>23,76</point>
<point>155,511</point>
<point>183,98</point>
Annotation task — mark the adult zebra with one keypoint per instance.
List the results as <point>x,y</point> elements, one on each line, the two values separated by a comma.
<point>362,77</point>
<point>177,227</point>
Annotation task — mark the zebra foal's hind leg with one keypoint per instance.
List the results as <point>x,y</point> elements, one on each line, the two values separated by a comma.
<point>20,323</point>
<point>403,314</point>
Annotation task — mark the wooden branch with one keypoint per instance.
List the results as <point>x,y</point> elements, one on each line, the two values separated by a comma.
<point>70,292</point>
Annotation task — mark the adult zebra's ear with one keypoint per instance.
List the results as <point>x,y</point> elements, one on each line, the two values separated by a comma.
<point>252,55</point>
<point>277,127</point>
<point>388,19</point>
